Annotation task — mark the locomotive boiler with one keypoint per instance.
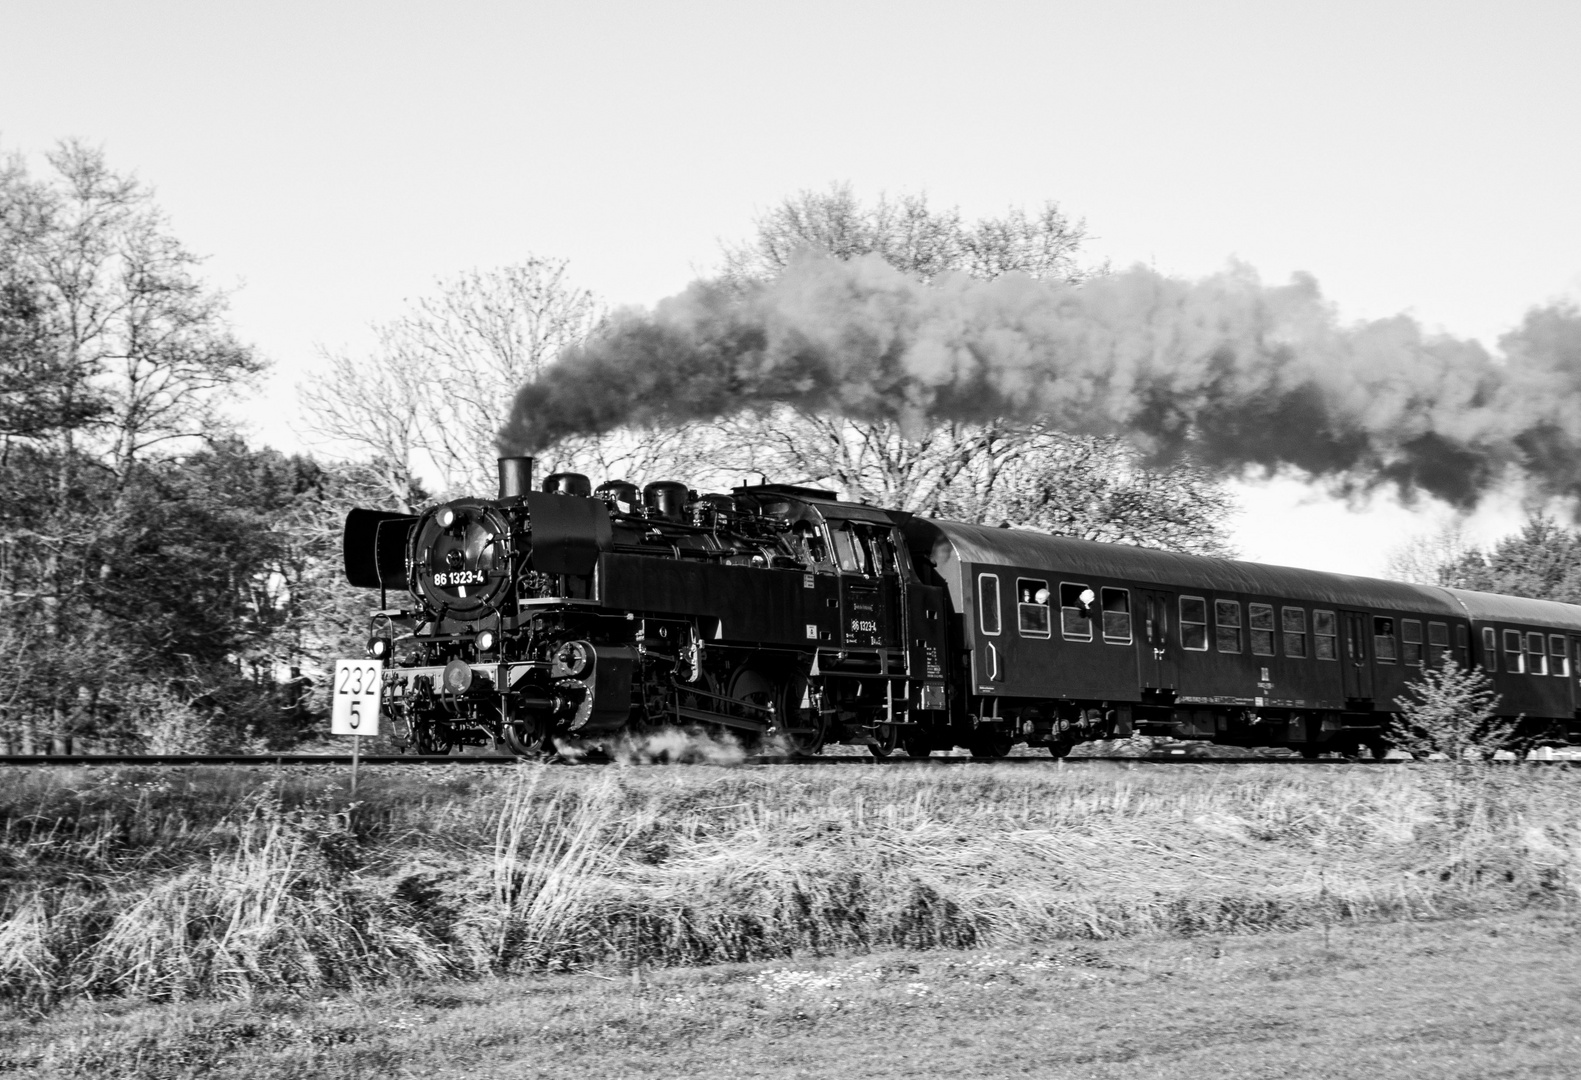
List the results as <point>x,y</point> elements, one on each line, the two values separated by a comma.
<point>791,619</point>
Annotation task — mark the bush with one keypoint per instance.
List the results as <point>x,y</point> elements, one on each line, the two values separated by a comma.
<point>1452,711</point>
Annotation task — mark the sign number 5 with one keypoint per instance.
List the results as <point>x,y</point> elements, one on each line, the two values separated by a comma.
<point>357,689</point>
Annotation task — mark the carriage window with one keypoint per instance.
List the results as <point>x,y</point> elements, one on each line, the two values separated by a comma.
<point>1075,611</point>
<point>1463,646</point>
<point>1032,607</point>
<point>1194,623</point>
<point>1294,621</point>
<point>988,603</point>
<point>1561,658</point>
<point>1383,646</point>
<point>1437,642</point>
<point>1411,642</point>
<point>1117,616</point>
<point>1514,655</point>
<point>1227,624</point>
<point>1262,631</point>
<point>1325,635</point>
<point>1539,655</point>
<point>1490,649</point>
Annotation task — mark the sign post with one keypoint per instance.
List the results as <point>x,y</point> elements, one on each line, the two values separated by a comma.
<point>358,687</point>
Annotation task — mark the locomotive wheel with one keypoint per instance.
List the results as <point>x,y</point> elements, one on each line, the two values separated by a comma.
<point>804,729</point>
<point>753,687</point>
<point>1061,748</point>
<point>886,738</point>
<point>916,744</point>
<point>526,739</point>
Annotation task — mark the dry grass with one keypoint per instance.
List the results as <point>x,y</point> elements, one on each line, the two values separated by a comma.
<point>226,883</point>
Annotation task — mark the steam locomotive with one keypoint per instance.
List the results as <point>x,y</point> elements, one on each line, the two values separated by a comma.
<point>792,619</point>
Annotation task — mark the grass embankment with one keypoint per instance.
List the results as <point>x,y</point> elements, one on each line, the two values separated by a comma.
<point>1442,1000</point>
<point>170,885</point>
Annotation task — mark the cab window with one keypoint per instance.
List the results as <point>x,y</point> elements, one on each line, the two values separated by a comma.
<point>849,552</point>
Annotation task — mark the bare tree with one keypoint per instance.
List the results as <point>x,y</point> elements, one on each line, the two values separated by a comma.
<point>911,236</point>
<point>1431,558</point>
<point>139,341</point>
<point>430,396</point>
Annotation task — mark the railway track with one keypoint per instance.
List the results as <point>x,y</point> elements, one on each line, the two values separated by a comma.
<point>295,760</point>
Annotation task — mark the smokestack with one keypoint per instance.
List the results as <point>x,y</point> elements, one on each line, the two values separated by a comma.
<point>515,477</point>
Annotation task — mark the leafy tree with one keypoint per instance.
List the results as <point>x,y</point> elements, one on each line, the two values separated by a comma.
<point>115,353</point>
<point>1542,561</point>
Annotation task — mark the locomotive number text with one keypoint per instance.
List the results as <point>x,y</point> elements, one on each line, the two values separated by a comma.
<point>864,626</point>
<point>459,577</point>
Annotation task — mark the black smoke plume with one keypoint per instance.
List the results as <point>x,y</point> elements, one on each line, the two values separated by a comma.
<point>1250,378</point>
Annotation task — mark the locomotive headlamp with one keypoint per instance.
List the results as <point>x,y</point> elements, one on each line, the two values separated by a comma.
<point>379,648</point>
<point>447,517</point>
<point>486,641</point>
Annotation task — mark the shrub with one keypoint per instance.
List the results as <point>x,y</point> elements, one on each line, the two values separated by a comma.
<point>1453,711</point>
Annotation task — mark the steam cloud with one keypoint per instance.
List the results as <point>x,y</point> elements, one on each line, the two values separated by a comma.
<point>1252,378</point>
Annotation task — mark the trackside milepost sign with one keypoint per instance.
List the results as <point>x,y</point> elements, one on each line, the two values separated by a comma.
<point>356,697</point>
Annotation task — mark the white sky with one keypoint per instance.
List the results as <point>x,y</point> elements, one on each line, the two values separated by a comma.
<point>333,159</point>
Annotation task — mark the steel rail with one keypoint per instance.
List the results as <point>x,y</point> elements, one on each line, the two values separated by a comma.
<point>498,759</point>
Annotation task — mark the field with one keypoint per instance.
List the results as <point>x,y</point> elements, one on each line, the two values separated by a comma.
<point>690,915</point>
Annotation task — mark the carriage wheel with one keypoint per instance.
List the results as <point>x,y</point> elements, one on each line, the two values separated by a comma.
<point>886,738</point>
<point>991,743</point>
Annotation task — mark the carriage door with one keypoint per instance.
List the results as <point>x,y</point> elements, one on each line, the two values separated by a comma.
<point>1356,662</point>
<point>1158,660</point>
<point>1575,673</point>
